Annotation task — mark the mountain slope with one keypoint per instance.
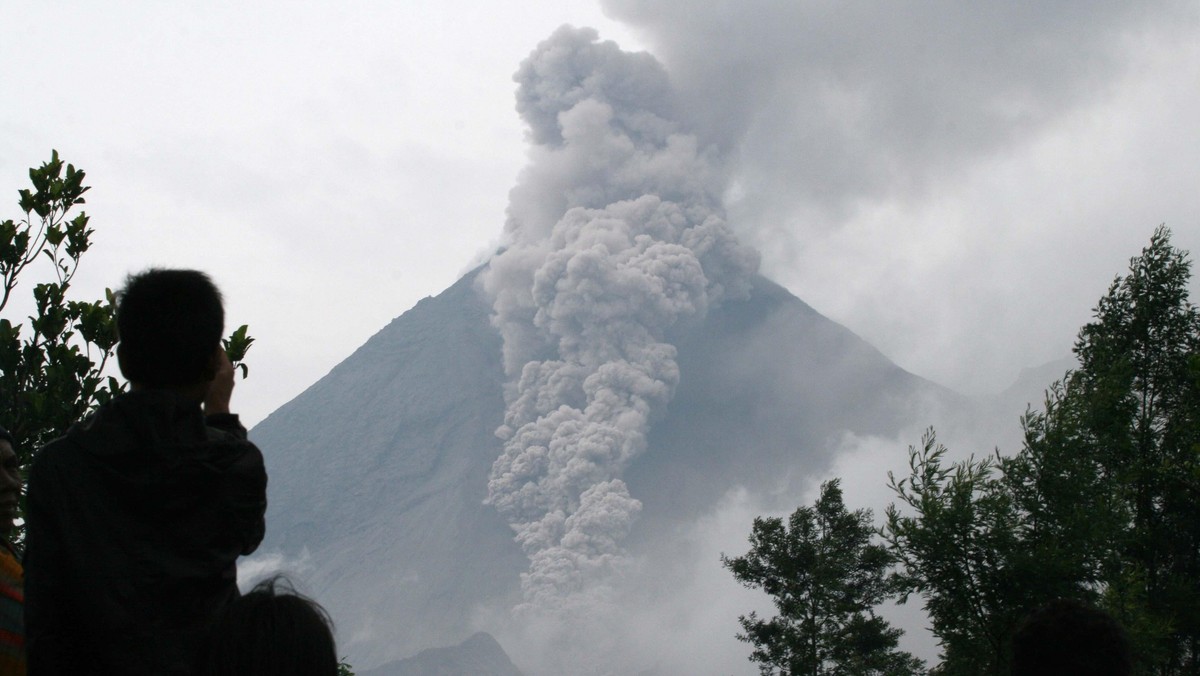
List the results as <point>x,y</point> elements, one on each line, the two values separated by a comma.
<point>376,474</point>
<point>378,471</point>
<point>479,655</point>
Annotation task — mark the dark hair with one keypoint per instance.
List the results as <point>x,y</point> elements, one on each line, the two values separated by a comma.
<point>170,324</point>
<point>1070,638</point>
<point>272,631</point>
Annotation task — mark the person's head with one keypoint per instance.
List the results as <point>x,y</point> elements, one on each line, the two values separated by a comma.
<point>272,631</point>
<point>1070,638</point>
<point>170,324</point>
<point>10,483</point>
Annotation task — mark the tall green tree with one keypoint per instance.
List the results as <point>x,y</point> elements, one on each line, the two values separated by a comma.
<point>52,368</point>
<point>956,540</point>
<point>1114,460</point>
<point>1101,504</point>
<point>825,577</point>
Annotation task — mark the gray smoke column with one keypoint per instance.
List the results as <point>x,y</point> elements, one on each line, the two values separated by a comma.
<point>615,233</point>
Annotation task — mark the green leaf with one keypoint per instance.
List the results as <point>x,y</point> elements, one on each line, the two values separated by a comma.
<point>236,346</point>
<point>51,376</point>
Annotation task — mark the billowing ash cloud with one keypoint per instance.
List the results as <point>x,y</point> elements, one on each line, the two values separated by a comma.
<point>615,234</point>
<point>829,106</point>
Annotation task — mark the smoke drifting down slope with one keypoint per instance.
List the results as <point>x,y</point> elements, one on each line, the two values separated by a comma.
<point>616,234</point>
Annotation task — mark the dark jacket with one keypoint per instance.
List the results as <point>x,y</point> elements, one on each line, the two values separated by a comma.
<point>135,520</point>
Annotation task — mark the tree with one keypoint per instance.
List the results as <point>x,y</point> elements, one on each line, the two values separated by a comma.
<point>55,373</point>
<point>825,577</point>
<point>958,545</point>
<point>1102,503</point>
<point>1118,447</point>
<point>52,374</point>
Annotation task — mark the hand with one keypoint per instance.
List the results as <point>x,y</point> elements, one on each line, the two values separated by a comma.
<point>220,390</point>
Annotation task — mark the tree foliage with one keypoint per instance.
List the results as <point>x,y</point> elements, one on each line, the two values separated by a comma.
<point>956,543</point>
<point>52,368</point>
<point>825,577</point>
<point>1101,504</point>
<point>1116,456</point>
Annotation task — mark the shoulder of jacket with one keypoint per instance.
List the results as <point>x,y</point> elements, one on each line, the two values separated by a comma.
<point>55,451</point>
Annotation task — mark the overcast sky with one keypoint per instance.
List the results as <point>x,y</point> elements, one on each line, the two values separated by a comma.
<point>955,183</point>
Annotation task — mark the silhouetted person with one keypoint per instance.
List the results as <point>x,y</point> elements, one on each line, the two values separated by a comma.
<point>272,631</point>
<point>136,517</point>
<point>1070,638</point>
<point>12,585</point>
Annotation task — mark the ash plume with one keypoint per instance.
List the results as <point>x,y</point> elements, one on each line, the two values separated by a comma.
<point>615,233</point>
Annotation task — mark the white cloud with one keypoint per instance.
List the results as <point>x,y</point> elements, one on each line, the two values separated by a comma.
<point>261,565</point>
<point>955,182</point>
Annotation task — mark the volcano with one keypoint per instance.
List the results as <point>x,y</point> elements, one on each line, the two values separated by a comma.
<point>542,452</point>
<point>379,471</point>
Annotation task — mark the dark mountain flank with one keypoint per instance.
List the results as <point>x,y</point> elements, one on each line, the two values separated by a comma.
<point>378,471</point>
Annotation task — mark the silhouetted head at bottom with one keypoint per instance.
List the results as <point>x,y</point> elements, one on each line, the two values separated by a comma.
<point>1070,638</point>
<point>272,631</point>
